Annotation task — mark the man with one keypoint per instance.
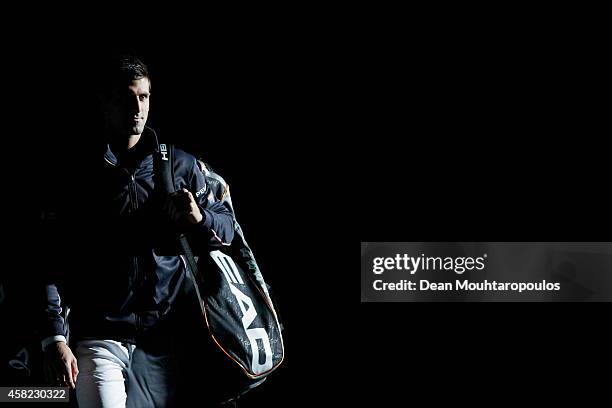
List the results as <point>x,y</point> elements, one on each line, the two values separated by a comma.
<point>117,265</point>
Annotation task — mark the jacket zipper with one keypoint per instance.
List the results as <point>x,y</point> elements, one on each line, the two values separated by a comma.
<point>133,194</point>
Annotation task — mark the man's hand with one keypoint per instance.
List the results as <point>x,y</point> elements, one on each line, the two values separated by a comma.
<point>181,206</point>
<point>60,365</point>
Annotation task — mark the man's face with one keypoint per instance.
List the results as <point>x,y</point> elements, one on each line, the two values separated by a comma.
<point>128,108</point>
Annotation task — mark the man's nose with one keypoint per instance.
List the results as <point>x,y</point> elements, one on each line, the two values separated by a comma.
<point>135,105</point>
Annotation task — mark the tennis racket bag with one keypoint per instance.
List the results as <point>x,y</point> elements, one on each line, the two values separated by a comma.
<point>234,299</point>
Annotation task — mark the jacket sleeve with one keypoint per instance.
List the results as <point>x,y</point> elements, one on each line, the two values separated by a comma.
<point>48,296</point>
<point>216,230</point>
<point>53,322</point>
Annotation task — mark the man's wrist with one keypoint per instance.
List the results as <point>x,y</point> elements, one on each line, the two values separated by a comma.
<point>52,340</point>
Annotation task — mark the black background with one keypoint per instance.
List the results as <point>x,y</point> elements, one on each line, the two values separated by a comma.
<point>413,128</point>
<point>487,131</point>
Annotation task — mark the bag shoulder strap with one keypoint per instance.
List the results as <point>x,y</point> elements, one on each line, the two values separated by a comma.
<point>163,168</point>
<point>163,171</point>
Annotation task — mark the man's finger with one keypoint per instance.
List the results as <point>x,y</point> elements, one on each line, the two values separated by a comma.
<point>178,196</point>
<point>191,199</point>
<point>55,375</point>
<point>67,375</point>
<point>75,370</point>
<point>186,194</point>
<point>183,202</point>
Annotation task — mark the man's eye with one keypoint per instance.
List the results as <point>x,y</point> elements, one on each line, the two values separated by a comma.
<point>144,97</point>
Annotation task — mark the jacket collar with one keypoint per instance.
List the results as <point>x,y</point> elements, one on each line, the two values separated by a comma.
<point>148,144</point>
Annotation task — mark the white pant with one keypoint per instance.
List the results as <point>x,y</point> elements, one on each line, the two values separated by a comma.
<point>103,372</point>
<point>113,375</point>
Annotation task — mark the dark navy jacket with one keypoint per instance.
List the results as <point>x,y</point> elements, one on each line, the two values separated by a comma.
<point>113,254</point>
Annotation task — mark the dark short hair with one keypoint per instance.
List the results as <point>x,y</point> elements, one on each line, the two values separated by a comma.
<point>120,71</point>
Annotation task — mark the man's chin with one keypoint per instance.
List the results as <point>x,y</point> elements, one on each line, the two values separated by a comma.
<point>137,130</point>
